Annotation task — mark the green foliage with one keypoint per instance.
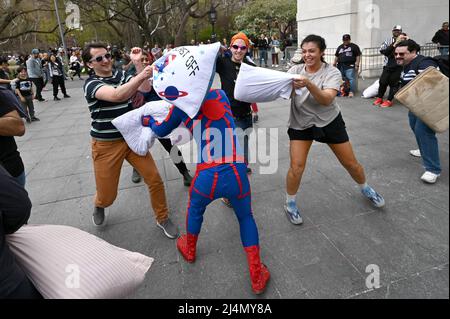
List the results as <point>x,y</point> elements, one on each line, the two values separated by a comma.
<point>253,17</point>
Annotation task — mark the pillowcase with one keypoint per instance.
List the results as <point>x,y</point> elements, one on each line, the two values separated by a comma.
<point>67,263</point>
<point>141,138</point>
<point>184,75</point>
<point>257,85</point>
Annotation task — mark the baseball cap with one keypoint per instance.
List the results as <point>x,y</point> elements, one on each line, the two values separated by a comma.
<point>397,27</point>
<point>35,51</point>
<point>346,37</point>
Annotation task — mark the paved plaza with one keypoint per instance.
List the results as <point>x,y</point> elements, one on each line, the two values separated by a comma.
<point>326,257</point>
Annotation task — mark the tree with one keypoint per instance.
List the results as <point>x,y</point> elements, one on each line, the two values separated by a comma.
<point>261,15</point>
<point>19,18</point>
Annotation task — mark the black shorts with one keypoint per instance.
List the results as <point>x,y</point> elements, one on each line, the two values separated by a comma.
<point>333,133</point>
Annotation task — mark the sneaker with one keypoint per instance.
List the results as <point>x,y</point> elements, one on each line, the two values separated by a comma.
<point>376,199</point>
<point>429,177</point>
<point>227,202</point>
<point>99,217</point>
<point>378,101</point>
<point>292,213</point>
<point>28,120</point>
<point>56,98</point>
<point>66,96</point>
<point>387,103</point>
<point>41,100</point>
<point>135,177</point>
<point>350,95</point>
<point>34,119</point>
<point>187,179</point>
<point>169,229</point>
<point>415,153</point>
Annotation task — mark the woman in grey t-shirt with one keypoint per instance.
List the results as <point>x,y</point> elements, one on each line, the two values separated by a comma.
<point>315,116</point>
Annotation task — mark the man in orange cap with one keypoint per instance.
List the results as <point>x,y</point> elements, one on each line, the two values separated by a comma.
<point>228,70</point>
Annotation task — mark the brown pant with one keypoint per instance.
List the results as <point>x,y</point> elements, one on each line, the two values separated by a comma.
<point>108,159</point>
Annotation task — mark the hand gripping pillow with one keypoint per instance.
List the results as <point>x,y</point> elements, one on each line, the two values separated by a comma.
<point>257,85</point>
<point>67,263</point>
<point>141,138</point>
<point>184,75</point>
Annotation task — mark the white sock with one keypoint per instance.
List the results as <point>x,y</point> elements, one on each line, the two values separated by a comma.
<point>362,186</point>
<point>290,198</point>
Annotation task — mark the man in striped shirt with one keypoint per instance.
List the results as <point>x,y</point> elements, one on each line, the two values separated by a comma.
<point>406,55</point>
<point>108,95</point>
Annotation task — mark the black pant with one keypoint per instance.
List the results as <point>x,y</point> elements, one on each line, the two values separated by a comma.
<point>58,81</point>
<point>15,208</point>
<point>389,78</point>
<point>175,154</point>
<point>39,82</point>
<point>76,71</point>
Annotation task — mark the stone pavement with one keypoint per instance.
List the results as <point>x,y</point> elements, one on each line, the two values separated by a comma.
<point>326,257</point>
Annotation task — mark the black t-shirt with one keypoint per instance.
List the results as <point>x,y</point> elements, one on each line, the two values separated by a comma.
<point>228,72</point>
<point>347,54</point>
<point>24,86</point>
<point>15,207</point>
<point>9,156</point>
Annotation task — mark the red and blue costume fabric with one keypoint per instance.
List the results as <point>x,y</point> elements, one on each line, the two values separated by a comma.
<point>221,170</point>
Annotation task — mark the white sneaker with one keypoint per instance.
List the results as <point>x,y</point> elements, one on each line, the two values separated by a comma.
<point>415,153</point>
<point>429,177</point>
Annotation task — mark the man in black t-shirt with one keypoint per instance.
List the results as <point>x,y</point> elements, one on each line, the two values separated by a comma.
<point>228,70</point>
<point>10,125</point>
<point>348,57</point>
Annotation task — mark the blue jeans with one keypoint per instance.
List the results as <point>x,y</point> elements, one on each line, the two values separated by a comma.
<point>428,144</point>
<point>443,51</point>
<point>21,179</point>
<point>263,55</point>
<point>244,124</point>
<point>350,74</point>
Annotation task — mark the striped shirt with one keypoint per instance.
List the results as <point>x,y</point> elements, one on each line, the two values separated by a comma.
<point>417,66</point>
<point>103,112</point>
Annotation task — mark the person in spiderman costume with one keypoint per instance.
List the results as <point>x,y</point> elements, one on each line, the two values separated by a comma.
<point>221,172</point>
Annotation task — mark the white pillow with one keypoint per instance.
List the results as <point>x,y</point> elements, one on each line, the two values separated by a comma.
<point>372,90</point>
<point>67,263</point>
<point>184,76</point>
<point>141,138</point>
<point>258,85</point>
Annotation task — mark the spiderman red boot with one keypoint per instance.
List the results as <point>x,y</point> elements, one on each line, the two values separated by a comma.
<point>187,245</point>
<point>259,274</point>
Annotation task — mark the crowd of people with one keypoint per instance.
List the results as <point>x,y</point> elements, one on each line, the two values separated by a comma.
<point>119,82</point>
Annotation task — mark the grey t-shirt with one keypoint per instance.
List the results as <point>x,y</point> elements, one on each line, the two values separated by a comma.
<point>306,112</point>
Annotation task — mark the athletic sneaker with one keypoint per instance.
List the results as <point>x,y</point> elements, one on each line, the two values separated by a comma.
<point>429,177</point>
<point>376,199</point>
<point>292,213</point>
<point>99,217</point>
<point>415,153</point>
<point>169,229</point>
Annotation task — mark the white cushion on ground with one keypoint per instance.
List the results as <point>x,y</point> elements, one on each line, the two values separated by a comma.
<point>372,90</point>
<point>67,263</point>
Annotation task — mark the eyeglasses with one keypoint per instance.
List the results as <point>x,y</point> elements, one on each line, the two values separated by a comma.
<point>399,54</point>
<point>236,47</point>
<point>100,58</point>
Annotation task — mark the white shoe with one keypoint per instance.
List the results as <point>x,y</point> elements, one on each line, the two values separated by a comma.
<point>429,177</point>
<point>415,153</point>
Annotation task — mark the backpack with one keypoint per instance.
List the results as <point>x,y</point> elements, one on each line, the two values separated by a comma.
<point>441,61</point>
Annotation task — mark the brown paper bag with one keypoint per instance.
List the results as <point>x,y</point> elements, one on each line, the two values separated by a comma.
<point>427,98</point>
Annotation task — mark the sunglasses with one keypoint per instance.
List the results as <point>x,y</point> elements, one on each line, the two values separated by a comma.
<point>236,47</point>
<point>100,58</point>
<point>399,54</point>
